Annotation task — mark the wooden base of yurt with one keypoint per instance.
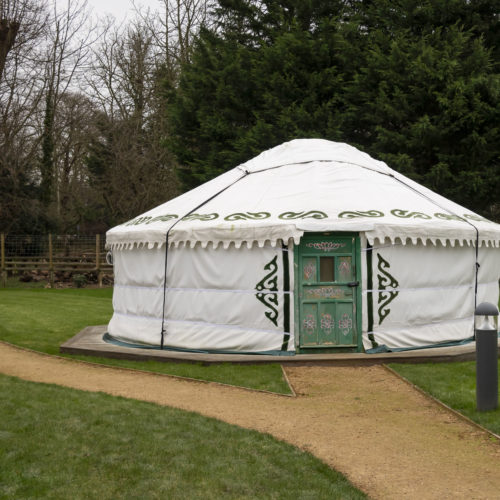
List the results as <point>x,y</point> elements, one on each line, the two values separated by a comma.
<point>90,342</point>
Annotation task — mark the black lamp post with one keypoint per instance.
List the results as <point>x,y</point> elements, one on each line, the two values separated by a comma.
<point>486,328</point>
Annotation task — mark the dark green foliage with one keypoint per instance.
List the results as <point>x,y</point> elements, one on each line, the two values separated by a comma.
<point>414,83</point>
<point>428,106</point>
<point>245,93</point>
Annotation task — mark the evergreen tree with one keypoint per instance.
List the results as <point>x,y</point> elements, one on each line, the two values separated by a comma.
<point>412,82</point>
<point>428,106</point>
<point>266,75</point>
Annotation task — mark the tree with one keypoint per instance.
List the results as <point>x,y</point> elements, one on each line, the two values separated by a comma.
<point>384,76</point>
<point>270,72</point>
<point>70,37</point>
<point>128,166</point>
<point>173,28</point>
<point>428,106</point>
<point>22,29</point>
<point>74,130</point>
<point>22,22</point>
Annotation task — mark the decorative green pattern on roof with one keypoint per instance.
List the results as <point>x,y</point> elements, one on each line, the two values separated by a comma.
<point>406,214</point>
<point>202,217</point>
<point>355,213</point>
<point>248,216</point>
<point>448,217</point>
<point>311,214</point>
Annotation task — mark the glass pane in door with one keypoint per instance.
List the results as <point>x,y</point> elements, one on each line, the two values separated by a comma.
<point>326,269</point>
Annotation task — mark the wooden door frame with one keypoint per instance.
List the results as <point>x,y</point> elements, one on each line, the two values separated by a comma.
<point>357,303</point>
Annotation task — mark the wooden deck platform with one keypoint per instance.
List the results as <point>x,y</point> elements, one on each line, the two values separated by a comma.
<point>90,342</point>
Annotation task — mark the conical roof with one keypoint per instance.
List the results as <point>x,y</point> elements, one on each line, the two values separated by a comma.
<point>306,185</point>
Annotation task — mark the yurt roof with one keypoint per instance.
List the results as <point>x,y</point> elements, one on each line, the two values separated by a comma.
<point>306,185</point>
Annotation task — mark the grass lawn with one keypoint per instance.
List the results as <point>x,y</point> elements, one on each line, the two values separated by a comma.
<point>13,282</point>
<point>454,384</point>
<point>62,443</point>
<point>42,319</point>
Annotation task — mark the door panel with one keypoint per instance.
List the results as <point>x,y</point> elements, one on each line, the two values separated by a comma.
<point>309,324</point>
<point>326,292</point>
<point>327,334</point>
<point>345,323</point>
<point>309,269</point>
<point>344,269</point>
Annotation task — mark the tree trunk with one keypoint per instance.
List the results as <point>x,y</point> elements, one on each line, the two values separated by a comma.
<point>8,33</point>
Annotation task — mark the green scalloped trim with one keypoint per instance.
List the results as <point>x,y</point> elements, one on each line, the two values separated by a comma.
<point>475,217</point>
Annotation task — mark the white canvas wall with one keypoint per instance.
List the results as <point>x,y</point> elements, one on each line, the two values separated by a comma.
<point>433,292</point>
<point>211,300</point>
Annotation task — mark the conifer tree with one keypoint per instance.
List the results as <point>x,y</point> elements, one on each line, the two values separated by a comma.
<point>412,82</point>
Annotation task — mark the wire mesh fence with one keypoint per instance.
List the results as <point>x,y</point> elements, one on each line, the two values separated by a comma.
<point>54,261</point>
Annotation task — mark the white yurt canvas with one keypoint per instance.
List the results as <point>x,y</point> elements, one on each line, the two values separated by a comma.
<point>312,246</point>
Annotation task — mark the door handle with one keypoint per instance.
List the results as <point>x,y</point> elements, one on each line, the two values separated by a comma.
<point>352,284</point>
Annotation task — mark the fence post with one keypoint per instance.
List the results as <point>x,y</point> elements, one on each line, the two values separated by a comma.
<point>98,259</point>
<point>2,258</point>
<point>51,263</point>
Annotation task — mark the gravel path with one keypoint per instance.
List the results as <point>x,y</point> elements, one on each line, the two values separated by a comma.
<point>386,437</point>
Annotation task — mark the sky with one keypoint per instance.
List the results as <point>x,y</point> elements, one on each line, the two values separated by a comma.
<point>120,9</point>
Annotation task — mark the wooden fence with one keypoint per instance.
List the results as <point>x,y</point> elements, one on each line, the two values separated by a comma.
<point>56,257</point>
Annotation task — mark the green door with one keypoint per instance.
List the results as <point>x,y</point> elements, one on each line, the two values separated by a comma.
<point>328,292</point>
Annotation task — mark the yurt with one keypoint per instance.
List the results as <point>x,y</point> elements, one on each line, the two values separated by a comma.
<point>311,247</point>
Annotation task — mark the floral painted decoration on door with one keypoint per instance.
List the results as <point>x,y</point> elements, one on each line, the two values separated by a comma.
<point>309,324</point>
<point>309,271</point>
<point>344,268</point>
<point>345,324</point>
<point>327,323</point>
<point>326,246</point>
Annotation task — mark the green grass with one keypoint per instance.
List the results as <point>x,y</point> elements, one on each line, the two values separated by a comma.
<point>454,384</point>
<point>13,282</point>
<point>43,319</point>
<point>62,443</point>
